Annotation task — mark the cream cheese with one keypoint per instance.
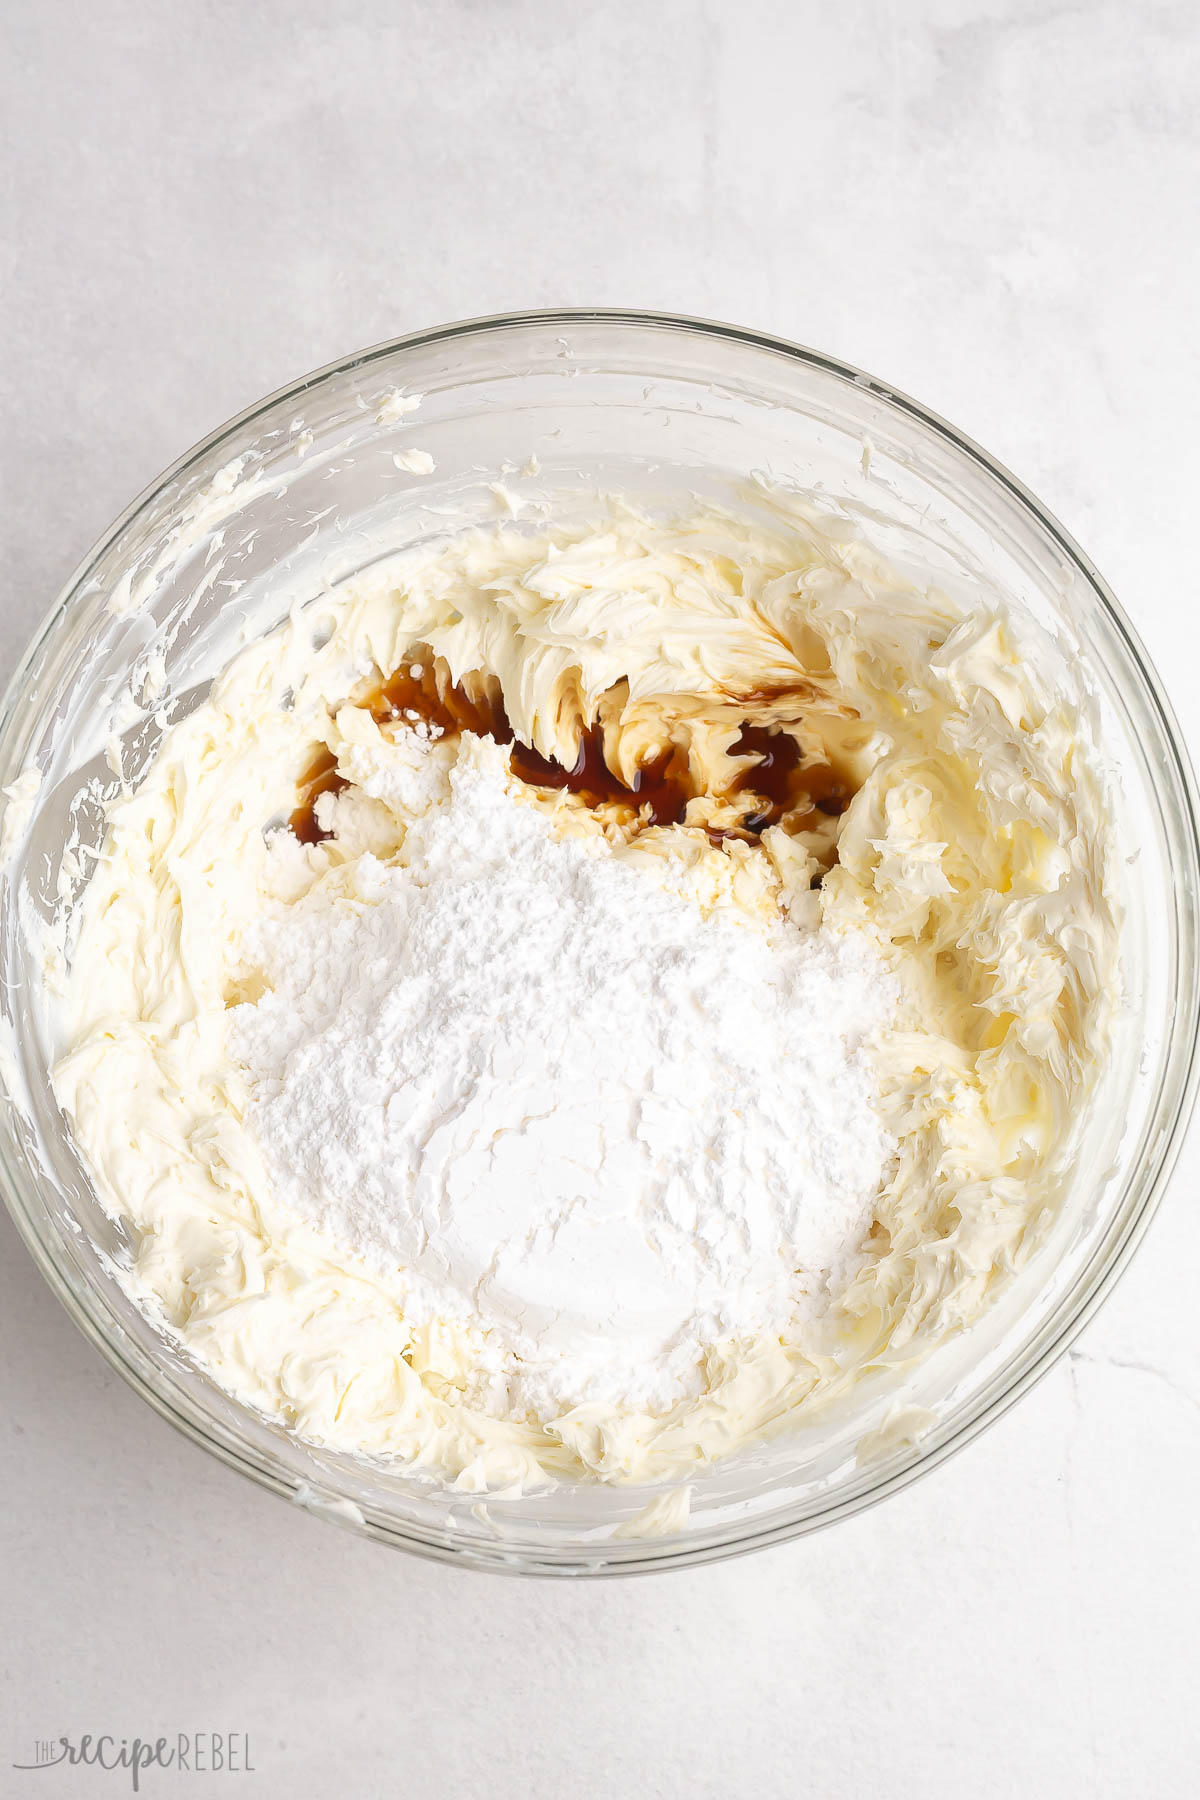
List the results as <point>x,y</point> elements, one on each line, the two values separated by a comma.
<point>975,856</point>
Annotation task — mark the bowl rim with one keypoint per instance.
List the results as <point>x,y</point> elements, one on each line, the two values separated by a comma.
<point>662,1553</point>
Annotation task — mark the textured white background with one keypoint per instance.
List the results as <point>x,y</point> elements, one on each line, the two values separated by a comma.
<point>992,203</point>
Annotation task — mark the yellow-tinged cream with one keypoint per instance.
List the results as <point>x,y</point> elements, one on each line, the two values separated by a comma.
<point>977,851</point>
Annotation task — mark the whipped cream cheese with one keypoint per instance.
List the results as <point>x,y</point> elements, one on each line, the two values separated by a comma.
<point>973,859</point>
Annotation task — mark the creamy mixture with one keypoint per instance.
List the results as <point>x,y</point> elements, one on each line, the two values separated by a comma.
<point>581,993</point>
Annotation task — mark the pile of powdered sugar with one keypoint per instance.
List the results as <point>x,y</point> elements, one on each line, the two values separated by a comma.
<point>597,1128</point>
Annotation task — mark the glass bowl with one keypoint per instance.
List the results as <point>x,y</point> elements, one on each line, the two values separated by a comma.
<point>303,489</point>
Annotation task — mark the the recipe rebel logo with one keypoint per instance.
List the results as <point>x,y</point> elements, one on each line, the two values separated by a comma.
<point>201,1753</point>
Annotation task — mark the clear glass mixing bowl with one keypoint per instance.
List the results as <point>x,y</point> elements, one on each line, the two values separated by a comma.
<point>303,489</point>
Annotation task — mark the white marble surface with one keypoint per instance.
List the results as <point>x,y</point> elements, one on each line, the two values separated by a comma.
<point>992,203</point>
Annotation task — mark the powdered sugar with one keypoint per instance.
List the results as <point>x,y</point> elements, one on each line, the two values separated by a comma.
<point>597,1129</point>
